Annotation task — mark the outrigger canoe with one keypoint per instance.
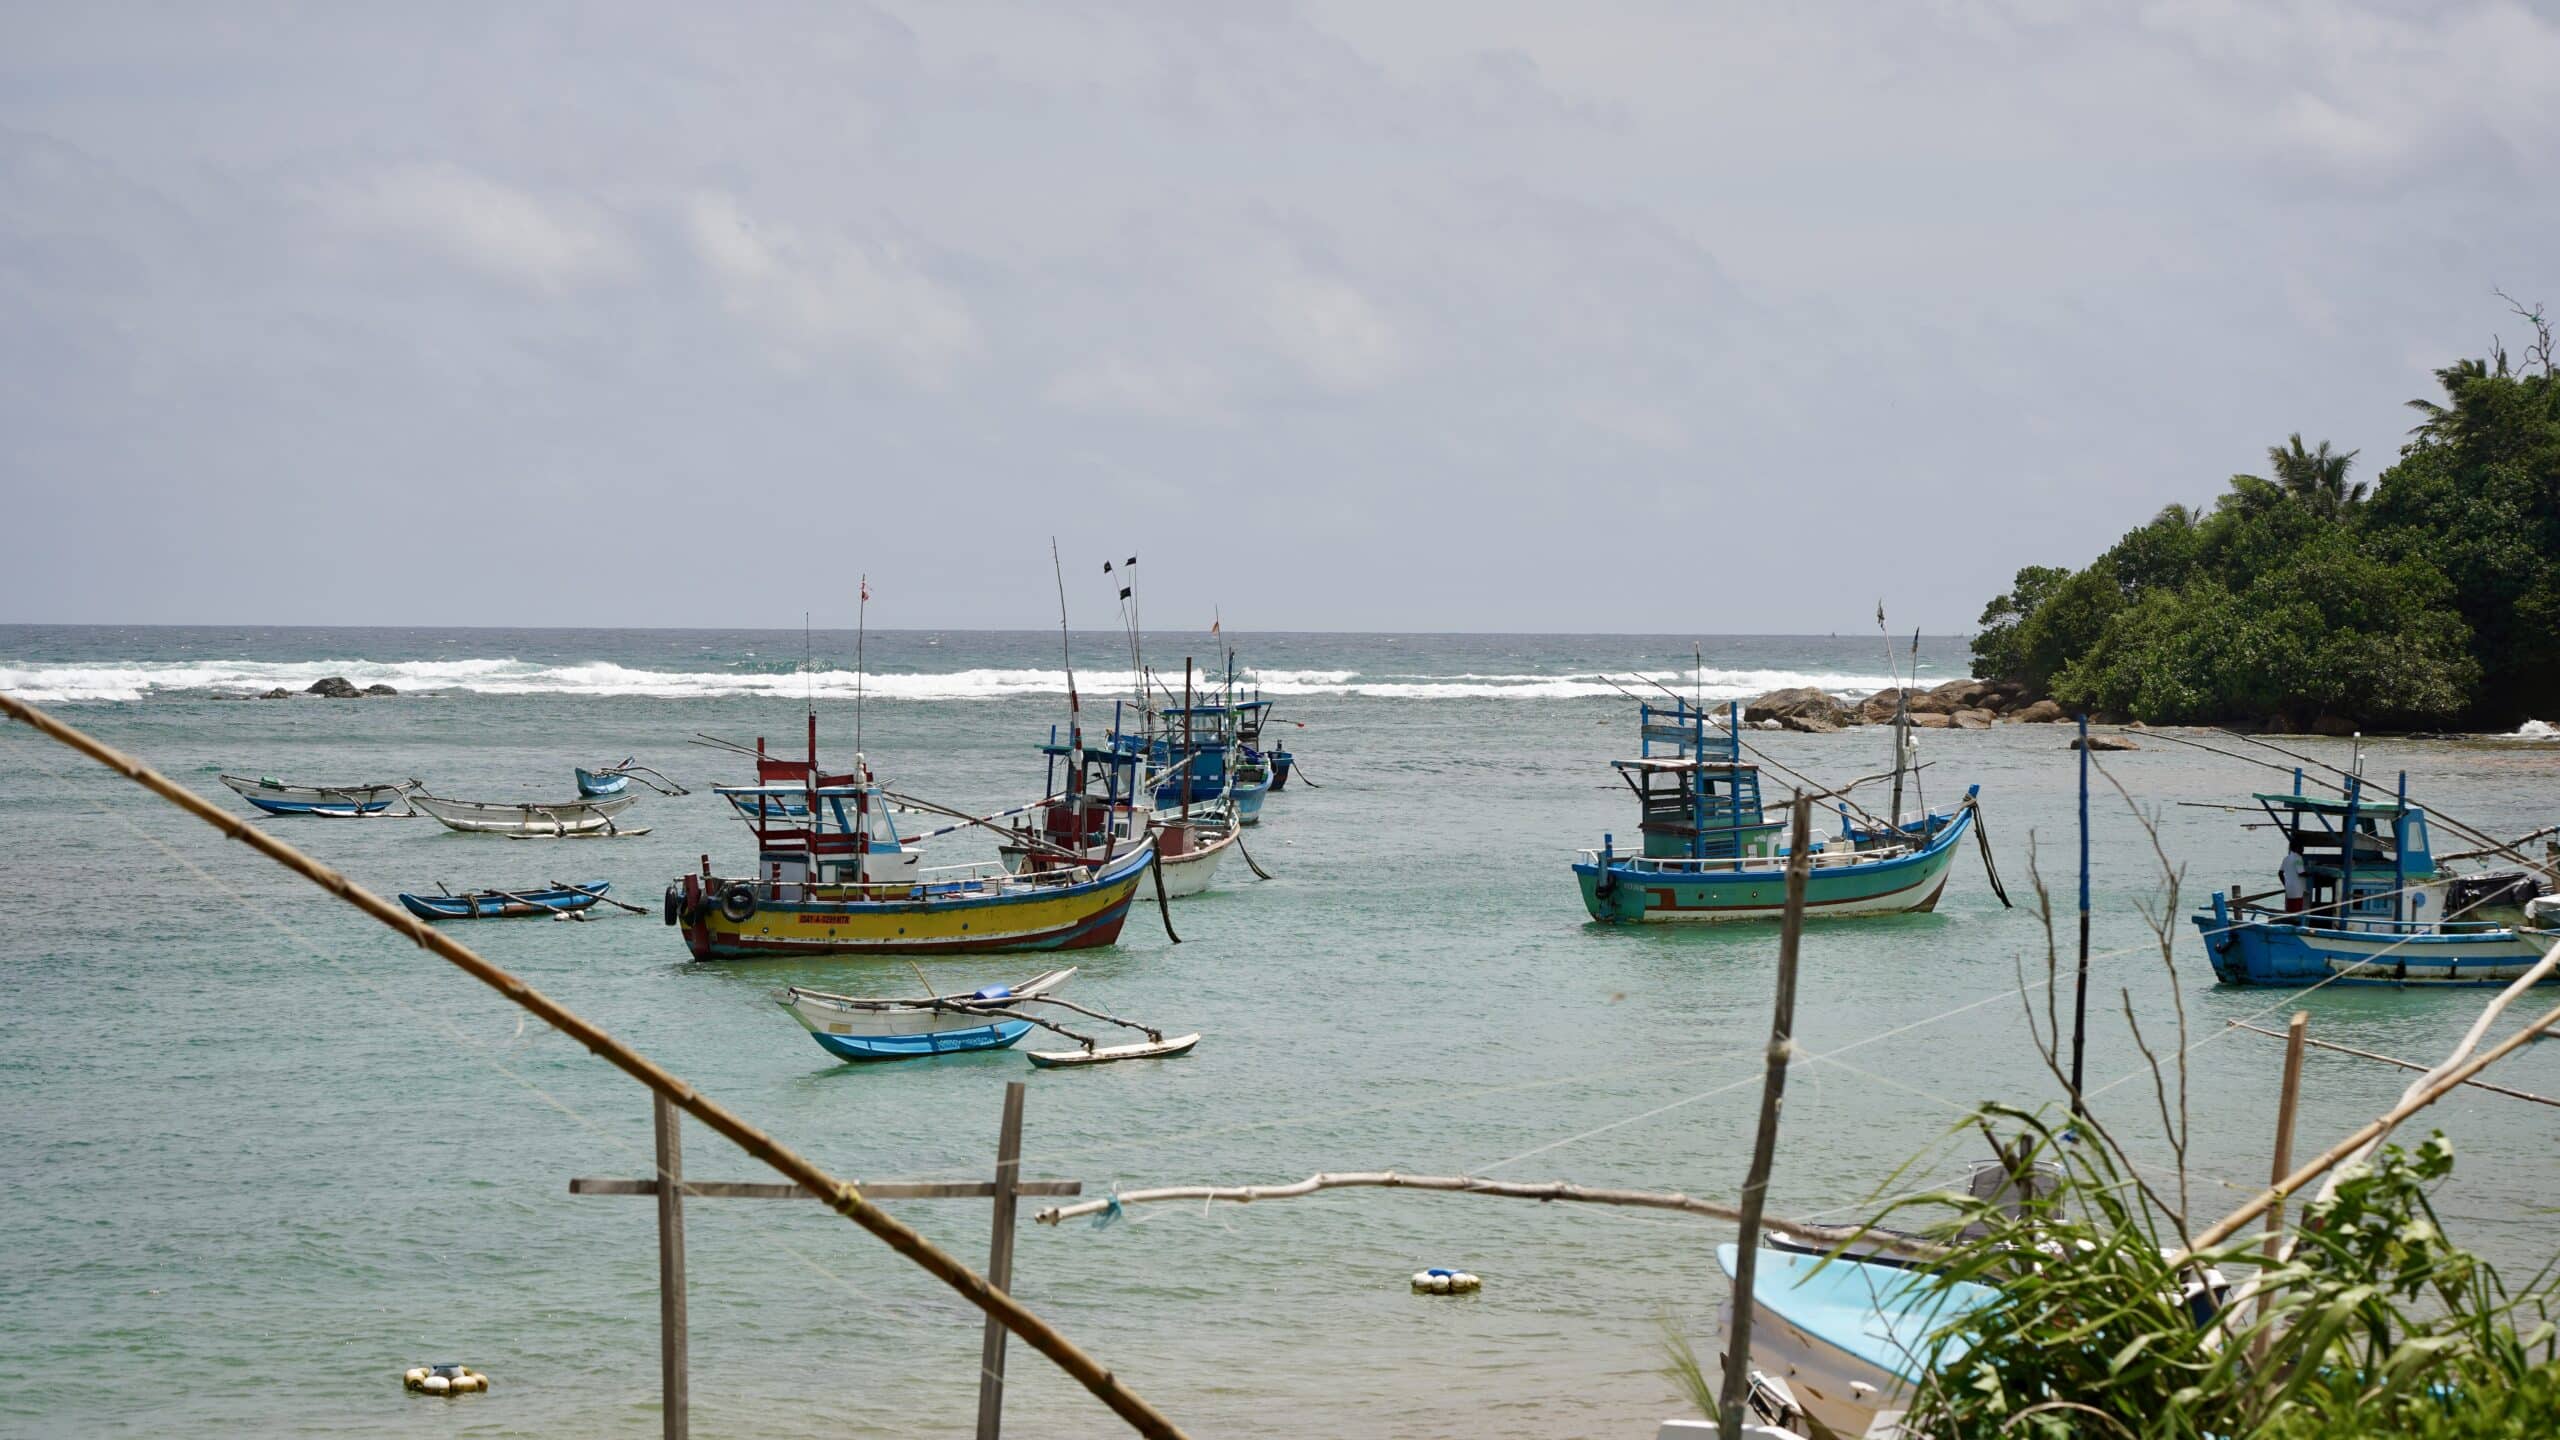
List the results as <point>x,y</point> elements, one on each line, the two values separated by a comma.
<point>337,801</point>
<point>989,1018</point>
<point>506,904</point>
<point>560,818</point>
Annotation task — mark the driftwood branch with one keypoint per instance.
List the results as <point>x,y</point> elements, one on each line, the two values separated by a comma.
<point>1823,1235</point>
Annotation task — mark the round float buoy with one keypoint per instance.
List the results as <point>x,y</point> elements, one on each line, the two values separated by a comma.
<point>559,915</point>
<point>1437,1281</point>
<point>436,1385</point>
<point>444,1380</point>
<point>415,1377</point>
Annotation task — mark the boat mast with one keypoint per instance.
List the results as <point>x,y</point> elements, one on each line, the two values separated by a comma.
<point>1901,715</point>
<point>1186,737</point>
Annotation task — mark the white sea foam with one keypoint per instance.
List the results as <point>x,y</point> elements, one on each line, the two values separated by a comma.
<point>2538,730</point>
<point>103,681</point>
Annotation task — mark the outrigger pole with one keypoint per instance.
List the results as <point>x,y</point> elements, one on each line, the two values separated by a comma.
<point>841,1196</point>
<point>2080,989</point>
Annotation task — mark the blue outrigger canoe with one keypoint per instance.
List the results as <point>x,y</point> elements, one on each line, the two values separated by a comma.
<point>506,904</point>
<point>334,801</point>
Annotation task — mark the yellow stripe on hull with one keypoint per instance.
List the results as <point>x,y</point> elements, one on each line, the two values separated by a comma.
<point>1072,921</point>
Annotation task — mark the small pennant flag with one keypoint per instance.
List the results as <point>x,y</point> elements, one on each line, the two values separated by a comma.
<point>1213,627</point>
<point>1132,560</point>
<point>866,587</point>
<point>1106,567</point>
<point>1124,592</point>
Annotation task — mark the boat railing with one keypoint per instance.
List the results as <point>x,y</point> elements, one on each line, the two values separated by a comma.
<point>2324,919</point>
<point>1685,865</point>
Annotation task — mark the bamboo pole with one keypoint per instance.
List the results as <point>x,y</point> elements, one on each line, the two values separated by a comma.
<point>1000,1261</point>
<point>840,1195</point>
<point>2394,1060</point>
<point>2422,1096</point>
<point>1826,1236</point>
<point>1773,1096</point>
<point>2286,1098</point>
<point>674,1334</point>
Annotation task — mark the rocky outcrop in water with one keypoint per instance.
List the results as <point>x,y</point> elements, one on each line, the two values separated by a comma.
<point>336,687</point>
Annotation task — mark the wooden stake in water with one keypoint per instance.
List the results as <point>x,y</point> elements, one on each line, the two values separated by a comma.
<point>2080,989</point>
<point>1000,1261</point>
<point>675,1399</point>
<point>1755,1186</point>
<point>2285,1100</point>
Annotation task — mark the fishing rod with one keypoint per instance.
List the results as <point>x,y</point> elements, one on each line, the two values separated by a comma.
<point>2463,828</point>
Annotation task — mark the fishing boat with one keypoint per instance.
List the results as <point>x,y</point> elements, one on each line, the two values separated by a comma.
<point>337,801</point>
<point>1710,852</point>
<point>1253,717</point>
<point>1098,808</point>
<point>832,877</point>
<point>1847,1337</point>
<point>530,821</point>
<point>594,783</point>
<point>990,1018</point>
<point>507,904</point>
<point>2364,903</point>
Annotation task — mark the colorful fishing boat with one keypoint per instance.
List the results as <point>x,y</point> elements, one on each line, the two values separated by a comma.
<point>2361,901</point>
<point>335,801</point>
<point>529,821</point>
<point>1710,852</point>
<point>833,878</point>
<point>507,904</point>
<point>1098,808</point>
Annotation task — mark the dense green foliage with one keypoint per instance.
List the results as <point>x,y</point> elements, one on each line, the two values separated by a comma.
<point>2433,600</point>
<point>2376,1324</point>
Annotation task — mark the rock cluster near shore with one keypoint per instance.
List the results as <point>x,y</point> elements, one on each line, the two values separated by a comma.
<point>1955,705</point>
<point>334,687</point>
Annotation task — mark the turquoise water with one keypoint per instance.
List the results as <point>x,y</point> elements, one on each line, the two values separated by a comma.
<point>262,1155</point>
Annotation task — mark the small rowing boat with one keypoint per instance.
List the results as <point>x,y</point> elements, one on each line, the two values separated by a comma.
<point>990,1018</point>
<point>338,801</point>
<point>506,904</point>
<point>560,818</point>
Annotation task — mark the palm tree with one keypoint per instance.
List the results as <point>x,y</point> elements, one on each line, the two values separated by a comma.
<point>2444,422</point>
<point>2317,478</point>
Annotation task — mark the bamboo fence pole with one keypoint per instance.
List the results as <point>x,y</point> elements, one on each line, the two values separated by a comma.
<point>841,1196</point>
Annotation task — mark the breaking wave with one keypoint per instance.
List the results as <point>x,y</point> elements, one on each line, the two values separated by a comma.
<point>139,680</point>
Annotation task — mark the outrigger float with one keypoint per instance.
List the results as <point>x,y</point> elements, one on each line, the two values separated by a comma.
<point>2373,907</point>
<point>992,1017</point>
<point>833,878</point>
<point>1711,853</point>
<point>333,801</point>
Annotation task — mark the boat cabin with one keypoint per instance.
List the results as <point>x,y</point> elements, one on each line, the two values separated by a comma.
<point>816,828</point>
<point>2363,859</point>
<point>1699,799</point>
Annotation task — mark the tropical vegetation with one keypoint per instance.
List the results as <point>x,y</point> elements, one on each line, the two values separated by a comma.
<point>2305,599</point>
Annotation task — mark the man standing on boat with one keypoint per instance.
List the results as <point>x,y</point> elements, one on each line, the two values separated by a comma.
<point>2290,873</point>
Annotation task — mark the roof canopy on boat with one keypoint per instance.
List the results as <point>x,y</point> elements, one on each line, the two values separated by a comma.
<point>2378,806</point>
<point>1660,763</point>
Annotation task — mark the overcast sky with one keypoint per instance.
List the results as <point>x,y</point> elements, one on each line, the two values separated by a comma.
<point>1660,317</point>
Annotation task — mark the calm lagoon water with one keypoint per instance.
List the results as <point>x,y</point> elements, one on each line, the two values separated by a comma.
<point>261,1155</point>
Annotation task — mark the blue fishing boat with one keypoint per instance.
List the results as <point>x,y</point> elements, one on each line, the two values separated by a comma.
<point>1710,853</point>
<point>592,783</point>
<point>2360,900</point>
<point>855,1028</point>
<point>335,801</point>
<point>614,779</point>
<point>1253,717</point>
<point>507,904</point>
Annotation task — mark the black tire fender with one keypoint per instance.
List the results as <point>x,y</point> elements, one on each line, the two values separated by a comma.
<point>738,901</point>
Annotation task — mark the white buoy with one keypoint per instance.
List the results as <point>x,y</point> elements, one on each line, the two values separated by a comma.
<point>435,1385</point>
<point>559,915</point>
<point>414,1376</point>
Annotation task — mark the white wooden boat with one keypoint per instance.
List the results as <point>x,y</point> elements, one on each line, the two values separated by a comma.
<point>1190,849</point>
<point>854,1028</point>
<point>336,801</point>
<point>558,818</point>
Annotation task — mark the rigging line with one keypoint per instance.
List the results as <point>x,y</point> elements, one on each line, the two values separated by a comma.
<point>471,1047</point>
<point>842,1197</point>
